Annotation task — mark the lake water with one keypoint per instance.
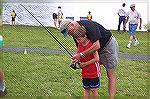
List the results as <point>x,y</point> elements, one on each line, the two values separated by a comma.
<point>103,13</point>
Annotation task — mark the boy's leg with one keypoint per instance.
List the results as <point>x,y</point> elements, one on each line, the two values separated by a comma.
<point>86,93</point>
<point>94,93</point>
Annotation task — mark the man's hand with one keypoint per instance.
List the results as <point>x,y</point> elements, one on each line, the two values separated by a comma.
<point>140,27</point>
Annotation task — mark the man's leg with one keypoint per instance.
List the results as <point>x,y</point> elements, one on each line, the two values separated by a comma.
<point>119,24</point>
<point>111,84</point>
<point>109,58</point>
<point>132,29</point>
<point>124,24</point>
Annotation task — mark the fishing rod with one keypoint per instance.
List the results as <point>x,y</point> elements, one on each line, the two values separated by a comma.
<point>74,66</point>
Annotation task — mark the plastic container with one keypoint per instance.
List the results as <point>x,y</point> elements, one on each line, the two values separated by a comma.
<point>1,40</point>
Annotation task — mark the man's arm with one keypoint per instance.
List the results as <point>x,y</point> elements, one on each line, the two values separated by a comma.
<point>92,49</point>
<point>140,23</point>
<point>127,19</point>
<point>95,59</point>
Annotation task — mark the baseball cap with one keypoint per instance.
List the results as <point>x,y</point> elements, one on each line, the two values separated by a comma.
<point>132,5</point>
<point>64,25</point>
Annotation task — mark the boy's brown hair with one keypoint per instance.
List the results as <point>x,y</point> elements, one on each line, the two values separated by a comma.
<point>80,31</point>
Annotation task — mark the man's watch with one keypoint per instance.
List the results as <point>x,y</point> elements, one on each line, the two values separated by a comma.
<point>81,55</point>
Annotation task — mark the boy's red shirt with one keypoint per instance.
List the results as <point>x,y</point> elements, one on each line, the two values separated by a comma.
<point>92,70</point>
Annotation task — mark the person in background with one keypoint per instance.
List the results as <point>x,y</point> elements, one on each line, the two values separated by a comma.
<point>122,17</point>
<point>133,17</point>
<point>60,16</point>
<point>3,90</point>
<point>55,19</point>
<point>89,16</point>
<point>102,40</point>
<point>13,15</point>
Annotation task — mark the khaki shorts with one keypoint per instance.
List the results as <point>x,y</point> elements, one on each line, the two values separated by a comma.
<point>109,55</point>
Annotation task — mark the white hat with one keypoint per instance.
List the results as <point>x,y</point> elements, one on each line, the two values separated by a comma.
<point>64,24</point>
<point>132,5</point>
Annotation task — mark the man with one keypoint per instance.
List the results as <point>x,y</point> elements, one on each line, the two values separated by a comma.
<point>102,40</point>
<point>122,17</point>
<point>3,90</point>
<point>132,17</point>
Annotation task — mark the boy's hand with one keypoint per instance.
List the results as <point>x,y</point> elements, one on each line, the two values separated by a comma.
<point>82,65</point>
<point>74,60</point>
<point>76,56</point>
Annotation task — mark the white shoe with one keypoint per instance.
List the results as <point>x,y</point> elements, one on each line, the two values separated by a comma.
<point>136,43</point>
<point>129,45</point>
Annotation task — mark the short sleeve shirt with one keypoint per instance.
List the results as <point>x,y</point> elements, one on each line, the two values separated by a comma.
<point>133,17</point>
<point>95,31</point>
<point>92,70</point>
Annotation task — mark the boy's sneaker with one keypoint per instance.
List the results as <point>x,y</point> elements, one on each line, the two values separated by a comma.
<point>136,43</point>
<point>129,45</point>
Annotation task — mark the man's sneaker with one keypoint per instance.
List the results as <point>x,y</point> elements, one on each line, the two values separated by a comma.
<point>136,43</point>
<point>129,45</point>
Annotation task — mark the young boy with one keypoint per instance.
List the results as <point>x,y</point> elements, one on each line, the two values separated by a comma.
<point>90,66</point>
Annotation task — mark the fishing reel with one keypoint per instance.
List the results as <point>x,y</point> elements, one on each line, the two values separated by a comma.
<point>75,65</point>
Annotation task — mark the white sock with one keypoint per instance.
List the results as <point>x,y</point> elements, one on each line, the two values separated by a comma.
<point>136,40</point>
<point>130,42</point>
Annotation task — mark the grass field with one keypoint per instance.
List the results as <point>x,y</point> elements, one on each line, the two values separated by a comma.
<point>42,74</point>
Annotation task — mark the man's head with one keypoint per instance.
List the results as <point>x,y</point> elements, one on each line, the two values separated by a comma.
<point>72,28</point>
<point>132,6</point>
<point>123,4</point>
<point>59,7</point>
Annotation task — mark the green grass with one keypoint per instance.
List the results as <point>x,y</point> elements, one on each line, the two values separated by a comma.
<point>142,49</point>
<point>34,37</point>
<point>40,75</point>
<point>38,37</point>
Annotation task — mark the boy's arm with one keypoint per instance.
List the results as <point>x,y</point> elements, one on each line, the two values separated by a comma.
<point>95,46</point>
<point>95,59</point>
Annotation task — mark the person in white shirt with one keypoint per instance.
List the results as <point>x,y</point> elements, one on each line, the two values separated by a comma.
<point>133,17</point>
<point>122,17</point>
